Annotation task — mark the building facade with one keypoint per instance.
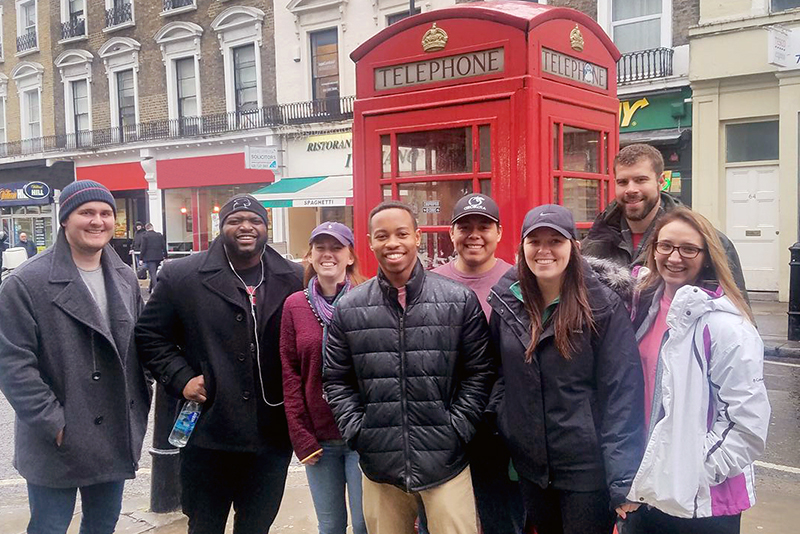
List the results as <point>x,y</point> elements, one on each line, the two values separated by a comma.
<point>745,120</point>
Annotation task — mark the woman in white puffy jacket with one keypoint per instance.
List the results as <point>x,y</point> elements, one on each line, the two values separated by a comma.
<point>706,407</point>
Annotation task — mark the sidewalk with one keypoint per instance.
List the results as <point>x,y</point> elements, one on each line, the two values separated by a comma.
<point>773,324</point>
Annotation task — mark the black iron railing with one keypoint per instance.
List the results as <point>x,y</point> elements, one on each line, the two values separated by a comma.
<point>119,14</point>
<point>175,4</point>
<point>26,41</point>
<point>332,109</point>
<point>644,65</point>
<point>74,27</point>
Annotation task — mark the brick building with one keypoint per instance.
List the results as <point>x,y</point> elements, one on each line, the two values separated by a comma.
<point>158,99</point>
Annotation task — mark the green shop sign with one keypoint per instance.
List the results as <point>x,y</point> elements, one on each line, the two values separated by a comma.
<point>656,112</point>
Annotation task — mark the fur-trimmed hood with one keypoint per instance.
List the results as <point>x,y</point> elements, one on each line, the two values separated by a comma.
<point>615,277</point>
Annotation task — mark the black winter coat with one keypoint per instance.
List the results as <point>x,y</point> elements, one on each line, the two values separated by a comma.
<point>153,246</point>
<point>610,238</point>
<point>407,387</point>
<point>576,424</point>
<point>198,321</point>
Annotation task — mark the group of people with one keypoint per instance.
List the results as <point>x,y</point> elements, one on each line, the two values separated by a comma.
<point>617,379</point>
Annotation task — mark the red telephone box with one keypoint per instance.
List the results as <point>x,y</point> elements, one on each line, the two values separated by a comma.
<point>513,99</point>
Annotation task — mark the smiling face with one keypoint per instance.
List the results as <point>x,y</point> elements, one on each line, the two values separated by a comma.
<point>89,227</point>
<point>475,239</point>
<point>547,254</point>
<point>675,270</point>
<point>244,234</point>
<point>637,189</point>
<point>394,242</point>
<point>330,258</point>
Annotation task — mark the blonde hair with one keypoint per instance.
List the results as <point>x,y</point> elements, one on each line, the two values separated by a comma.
<point>716,267</point>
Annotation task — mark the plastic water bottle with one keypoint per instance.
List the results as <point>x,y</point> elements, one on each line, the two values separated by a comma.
<point>185,424</point>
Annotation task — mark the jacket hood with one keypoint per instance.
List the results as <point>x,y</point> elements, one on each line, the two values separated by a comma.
<point>614,276</point>
<point>692,302</point>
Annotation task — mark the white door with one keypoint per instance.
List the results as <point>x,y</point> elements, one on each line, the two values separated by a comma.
<point>752,225</point>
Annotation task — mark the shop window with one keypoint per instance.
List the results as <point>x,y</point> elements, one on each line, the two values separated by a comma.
<point>325,64</point>
<point>640,24</point>
<point>783,5</point>
<point>245,79</point>
<point>397,17</point>
<point>435,152</point>
<point>752,141</point>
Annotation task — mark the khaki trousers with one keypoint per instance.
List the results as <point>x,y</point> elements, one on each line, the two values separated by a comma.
<point>450,507</point>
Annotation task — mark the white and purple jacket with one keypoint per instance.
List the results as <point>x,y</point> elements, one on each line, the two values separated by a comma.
<point>710,413</point>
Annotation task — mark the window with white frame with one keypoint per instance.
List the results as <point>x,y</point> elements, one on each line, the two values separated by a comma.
<point>397,17</point>
<point>2,50</point>
<point>73,19</point>
<point>32,123</point>
<point>121,58</point>
<point>75,67</point>
<point>325,64</point>
<point>640,24</point>
<point>80,105</point>
<point>27,39</point>
<point>783,5</point>
<point>28,79</point>
<point>239,33</point>
<point>119,13</point>
<point>180,50</point>
<point>3,120</point>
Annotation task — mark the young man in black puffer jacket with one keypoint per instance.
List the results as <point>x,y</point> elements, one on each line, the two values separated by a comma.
<point>408,374</point>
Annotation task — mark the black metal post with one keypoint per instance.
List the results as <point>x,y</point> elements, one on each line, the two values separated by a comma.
<point>794,293</point>
<point>165,484</point>
<point>411,8</point>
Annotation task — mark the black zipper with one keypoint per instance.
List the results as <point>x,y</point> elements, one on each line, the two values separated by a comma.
<point>404,400</point>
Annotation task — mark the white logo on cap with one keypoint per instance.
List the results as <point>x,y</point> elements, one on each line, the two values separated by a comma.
<point>241,203</point>
<point>475,203</point>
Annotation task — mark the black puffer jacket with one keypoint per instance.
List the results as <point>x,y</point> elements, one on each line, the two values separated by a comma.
<point>610,238</point>
<point>576,424</point>
<point>407,387</point>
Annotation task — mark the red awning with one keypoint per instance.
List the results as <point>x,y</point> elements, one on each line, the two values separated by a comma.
<point>116,176</point>
<point>225,169</point>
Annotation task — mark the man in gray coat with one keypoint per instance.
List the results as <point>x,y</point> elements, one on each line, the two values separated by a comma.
<point>68,366</point>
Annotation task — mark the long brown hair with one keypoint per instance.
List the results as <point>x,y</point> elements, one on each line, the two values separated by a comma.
<point>352,271</point>
<point>715,268</point>
<point>573,312</point>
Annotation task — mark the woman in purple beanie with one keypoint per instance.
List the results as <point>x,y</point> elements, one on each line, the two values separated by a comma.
<point>330,464</point>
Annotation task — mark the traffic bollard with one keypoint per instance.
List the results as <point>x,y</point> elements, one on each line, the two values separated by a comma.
<point>794,293</point>
<point>165,485</point>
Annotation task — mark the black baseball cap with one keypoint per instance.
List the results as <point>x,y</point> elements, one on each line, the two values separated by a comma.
<point>476,204</point>
<point>552,216</point>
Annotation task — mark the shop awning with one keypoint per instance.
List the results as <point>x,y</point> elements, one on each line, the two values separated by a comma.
<point>665,136</point>
<point>308,192</point>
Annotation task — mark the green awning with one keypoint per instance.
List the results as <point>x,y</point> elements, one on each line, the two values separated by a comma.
<point>308,192</point>
<point>289,185</point>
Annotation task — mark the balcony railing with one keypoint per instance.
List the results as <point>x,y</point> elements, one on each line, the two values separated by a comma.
<point>26,41</point>
<point>644,65</point>
<point>74,27</point>
<point>332,109</point>
<point>119,14</point>
<point>175,4</point>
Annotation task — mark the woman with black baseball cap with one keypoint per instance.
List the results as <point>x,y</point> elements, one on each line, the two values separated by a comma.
<point>568,402</point>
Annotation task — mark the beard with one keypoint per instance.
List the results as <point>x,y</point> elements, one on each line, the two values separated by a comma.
<point>638,213</point>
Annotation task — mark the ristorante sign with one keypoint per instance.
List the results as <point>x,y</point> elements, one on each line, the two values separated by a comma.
<point>440,69</point>
<point>574,69</point>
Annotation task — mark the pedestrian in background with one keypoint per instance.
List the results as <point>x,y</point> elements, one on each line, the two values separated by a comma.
<point>475,231</point>
<point>331,466</point>
<point>569,397</point>
<point>210,333</point>
<point>137,242</point>
<point>153,252</point>
<point>706,405</point>
<point>29,246</point>
<point>69,368</point>
<point>3,246</point>
<point>621,232</point>
<point>407,375</point>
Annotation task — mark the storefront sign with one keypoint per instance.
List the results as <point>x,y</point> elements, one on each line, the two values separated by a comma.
<point>656,112</point>
<point>319,202</point>
<point>319,155</point>
<point>39,234</point>
<point>36,190</point>
<point>574,69</point>
<point>318,143</point>
<point>263,158</point>
<point>440,69</point>
<point>25,194</point>
<point>783,47</point>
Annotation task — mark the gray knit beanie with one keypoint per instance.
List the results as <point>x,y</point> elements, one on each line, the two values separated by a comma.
<point>81,192</point>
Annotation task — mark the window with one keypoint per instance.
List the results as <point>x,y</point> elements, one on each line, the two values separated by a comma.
<point>118,13</point>
<point>244,68</point>
<point>752,141</point>
<point>28,79</point>
<point>239,33</point>
<point>1,33</point>
<point>32,127</point>
<point>187,91</point>
<point>325,64</point>
<point>783,5</point>
<point>180,51</point>
<point>26,26</point>
<point>126,100</point>
<point>637,24</point>
<point>397,17</point>
<point>80,105</point>
<point>3,139</point>
<point>73,19</point>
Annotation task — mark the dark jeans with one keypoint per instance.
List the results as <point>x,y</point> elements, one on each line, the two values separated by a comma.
<point>647,520</point>
<point>52,508</point>
<point>497,498</point>
<point>152,270</point>
<point>213,480</point>
<point>553,511</point>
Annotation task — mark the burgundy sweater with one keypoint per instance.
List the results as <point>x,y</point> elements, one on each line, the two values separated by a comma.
<point>308,414</point>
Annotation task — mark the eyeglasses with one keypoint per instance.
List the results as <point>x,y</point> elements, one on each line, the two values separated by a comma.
<point>686,252</point>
